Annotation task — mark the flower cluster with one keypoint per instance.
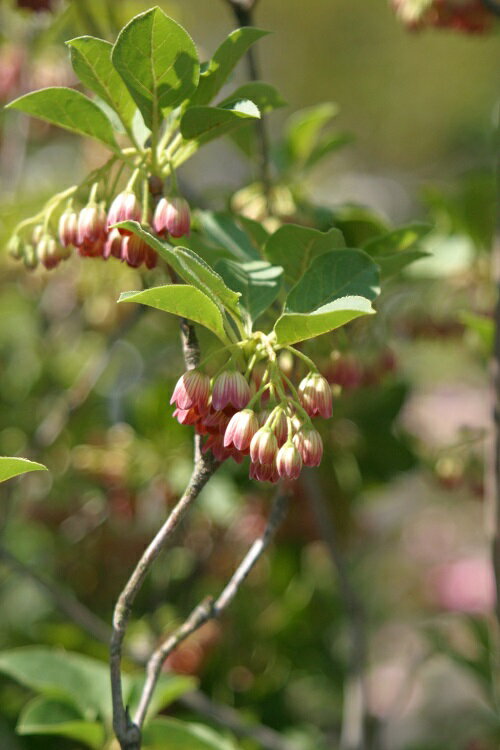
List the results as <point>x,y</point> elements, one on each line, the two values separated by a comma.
<point>92,233</point>
<point>469,16</point>
<point>271,423</point>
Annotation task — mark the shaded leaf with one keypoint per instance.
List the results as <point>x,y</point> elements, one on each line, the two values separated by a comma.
<point>197,272</point>
<point>169,688</point>
<point>337,288</point>
<point>265,96</point>
<point>294,247</point>
<point>158,61</point>
<point>172,734</point>
<point>397,240</point>
<point>303,129</point>
<point>224,61</point>
<point>12,467</point>
<point>183,300</point>
<point>482,326</point>
<point>62,675</point>
<point>203,124</point>
<point>224,231</point>
<point>68,109</point>
<point>326,146</point>
<point>258,283</point>
<point>91,60</point>
<point>47,716</point>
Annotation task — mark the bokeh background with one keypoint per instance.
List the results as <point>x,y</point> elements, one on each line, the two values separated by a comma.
<point>85,384</point>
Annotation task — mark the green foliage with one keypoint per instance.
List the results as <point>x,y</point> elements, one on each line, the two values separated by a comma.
<point>91,60</point>
<point>395,250</point>
<point>46,716</point>
<point>68,109</point>
<point>337,288</point>
<point>12,467</point>
<point>222,64</point>
<point>256,281</point>
<point>203,124</point>
<point>185,301</point>
<point>158,62</point>
<point>170,734</point>
<point>295,247</point>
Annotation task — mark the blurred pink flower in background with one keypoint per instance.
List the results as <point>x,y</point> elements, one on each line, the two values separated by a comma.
<point>466,585</point>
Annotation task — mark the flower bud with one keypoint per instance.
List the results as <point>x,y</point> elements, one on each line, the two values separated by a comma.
<point>91,225</point>
<point>30,258</point>
<point>172,216</point>
<point>68,228</point>
<point>310,446</point>
<point>315,395</point>
<point>113,247</point>
<point>241,428</point>
<point>192,389</point>
<point>125,207</point>
<point>151,258</point>
<point>230,389</point>
<point>215,444</point>
<point>264,472</point>
<point>133,250</point>
<point>264,446</point>
<point>289,461</point>
<point>47,252</point>
<point>15,247</point>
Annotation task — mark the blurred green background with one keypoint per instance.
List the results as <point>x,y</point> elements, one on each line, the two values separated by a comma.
<point>85,385</point>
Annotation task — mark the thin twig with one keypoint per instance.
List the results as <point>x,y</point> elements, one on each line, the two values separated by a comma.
<point>99,629</point>
<point>353,734</point>
<point>243,13</point>
<point>209,608</point>
<point>128,734</point>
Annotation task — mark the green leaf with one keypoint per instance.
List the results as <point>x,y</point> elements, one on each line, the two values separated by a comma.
<point>303,129</point>
<point>172,734</point>
<point>12,467</point>
<point>326,146</point>
<point>265,96</point>
<point>294,247</point>
<point>189,266</point>
<point>47,716</point>
<point>397,240</point>
<point>337,288</point>
<point>203,124</point>
<point>224,231</point>
<point>256,231</point>
<point>183,300</point>
<point>198,273</point>
<point>169,688</point>
<point>224,61</point>
<point>158,61</point>
<point>395,250</point>
<point>258,283</point>
<point>482,327</point>
<point>68,109</point>
<point>82,681</point>
<point>91,60</point>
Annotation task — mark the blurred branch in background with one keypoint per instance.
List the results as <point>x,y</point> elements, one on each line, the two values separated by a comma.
<point>243,13</point>
<point>354,716</point>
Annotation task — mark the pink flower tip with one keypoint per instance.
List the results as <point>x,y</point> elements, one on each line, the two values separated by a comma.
<point>192,389</point>
<point>241,429</point>
<point>230,389</point>
<point>315,395</point>
<point>289,461</point>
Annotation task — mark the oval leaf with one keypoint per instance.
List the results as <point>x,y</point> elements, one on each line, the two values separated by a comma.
<point>91,60</point>
<point>294,247</point>
<point>46,716</point>
<point>224,61</point>
<point>292,327</point>
<point>258,283</point>
<point>203,124</point>
<point>12,467</point>
<point>172,734</point>
<point>183,300</point>
<point>68,109</point>
<point>158,61</point>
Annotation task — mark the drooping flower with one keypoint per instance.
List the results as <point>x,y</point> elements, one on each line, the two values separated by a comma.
<point>91,225</point>
<point>68,228</point>
<point>113,246</point>
<point>192,389</point>
<point>134,250</point>
<point>264,446</point>
<point>241,428</point>
<point>310,446</point>
<point>315,395</point>
<point>172,216</point>
<point>125,207</point>
<point>230,389</point>
<point>289,461</point>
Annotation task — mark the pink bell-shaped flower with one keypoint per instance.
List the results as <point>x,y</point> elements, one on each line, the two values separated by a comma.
<point>241,428</point>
